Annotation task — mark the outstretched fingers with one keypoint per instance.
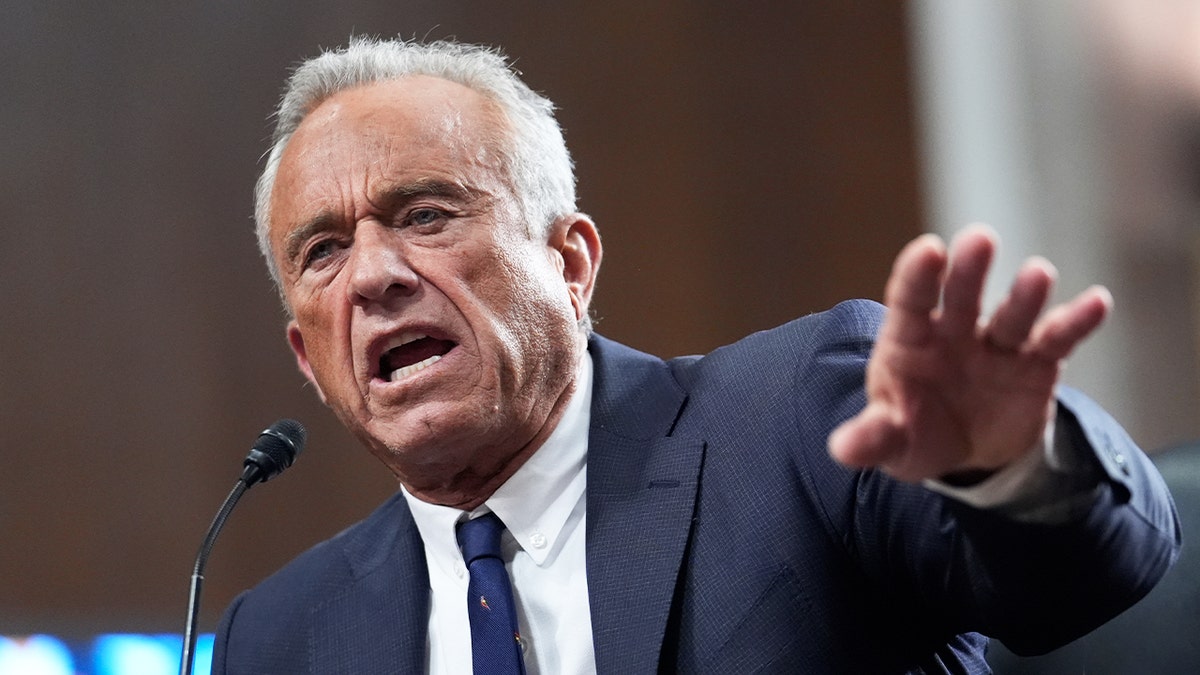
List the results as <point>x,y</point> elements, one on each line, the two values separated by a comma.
<point>1011,323</point>
<point>939,383</point>
<point>913,291</point>
<point>1056,335</point>
<point>971,254</point>
<point>932,289</point>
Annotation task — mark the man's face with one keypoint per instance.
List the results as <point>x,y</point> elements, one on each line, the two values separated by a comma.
<point>437,330</point>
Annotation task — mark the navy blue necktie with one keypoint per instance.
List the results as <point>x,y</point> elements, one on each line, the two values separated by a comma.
<point>495,640</point>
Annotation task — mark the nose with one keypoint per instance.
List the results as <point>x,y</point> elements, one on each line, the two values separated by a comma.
<point>378,267</point>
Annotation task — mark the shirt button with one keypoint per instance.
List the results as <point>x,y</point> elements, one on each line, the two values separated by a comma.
<point>1119,458</point>
<point>538,540</point>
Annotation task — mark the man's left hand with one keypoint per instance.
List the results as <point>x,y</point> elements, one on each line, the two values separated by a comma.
<point>947,393</point>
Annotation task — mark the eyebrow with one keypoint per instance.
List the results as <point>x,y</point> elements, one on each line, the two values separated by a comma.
<point>389,200</point>
<point>295,239</point>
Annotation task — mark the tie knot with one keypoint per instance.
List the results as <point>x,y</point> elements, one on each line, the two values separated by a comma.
<point>480,537</point>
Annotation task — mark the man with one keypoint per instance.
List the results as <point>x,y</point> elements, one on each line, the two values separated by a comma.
<point>417,211</point>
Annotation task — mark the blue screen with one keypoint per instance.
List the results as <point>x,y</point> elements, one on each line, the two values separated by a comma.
<point>110,654</point>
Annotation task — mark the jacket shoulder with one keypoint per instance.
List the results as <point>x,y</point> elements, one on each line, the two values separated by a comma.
<point>268,627</point>
<point>847,329</point>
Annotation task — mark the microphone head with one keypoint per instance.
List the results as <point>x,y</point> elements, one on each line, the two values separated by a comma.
<point>275,450</point>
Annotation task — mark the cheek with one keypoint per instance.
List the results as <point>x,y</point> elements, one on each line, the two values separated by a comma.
<point>529,295</point>
<point>542,317</point>
<point>324,336</point>
<point>316,304</point>
<point>513,297</point>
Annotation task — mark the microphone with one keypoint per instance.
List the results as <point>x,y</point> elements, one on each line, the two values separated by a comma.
<point>276,448</point>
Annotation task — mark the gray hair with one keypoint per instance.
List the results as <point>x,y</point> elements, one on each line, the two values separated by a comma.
<point>534,155</point>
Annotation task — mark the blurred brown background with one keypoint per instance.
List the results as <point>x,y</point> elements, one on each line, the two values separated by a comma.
<point>746,164</point>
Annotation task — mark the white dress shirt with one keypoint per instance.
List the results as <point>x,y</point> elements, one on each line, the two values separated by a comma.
<point>542,507</point>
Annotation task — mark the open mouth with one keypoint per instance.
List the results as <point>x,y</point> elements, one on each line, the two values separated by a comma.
<point>412,356</point>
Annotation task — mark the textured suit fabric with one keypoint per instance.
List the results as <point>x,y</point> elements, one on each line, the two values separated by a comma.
<point>722,538</point>
<point>1158,634</point>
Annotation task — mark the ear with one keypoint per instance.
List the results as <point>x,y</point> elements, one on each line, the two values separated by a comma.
<point>296,340</point>
<point>577,242</point>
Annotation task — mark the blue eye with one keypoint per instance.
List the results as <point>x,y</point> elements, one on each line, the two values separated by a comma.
<point>319,251</point>
<point>424,216</point>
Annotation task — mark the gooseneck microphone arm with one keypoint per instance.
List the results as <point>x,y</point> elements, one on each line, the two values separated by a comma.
<point>189,633</point>
<point>276,449</point>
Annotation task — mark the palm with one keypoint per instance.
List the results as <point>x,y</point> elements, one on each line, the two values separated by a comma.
<point>948,393</point>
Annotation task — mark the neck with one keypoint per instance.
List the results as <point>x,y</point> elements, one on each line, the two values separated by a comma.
<point>470,486</point>
<point>469,489</point>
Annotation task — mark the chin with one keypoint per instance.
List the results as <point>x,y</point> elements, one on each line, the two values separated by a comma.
<point>430,429</point>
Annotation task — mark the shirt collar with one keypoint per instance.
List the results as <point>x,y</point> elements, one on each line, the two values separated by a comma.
<point>537,500</point>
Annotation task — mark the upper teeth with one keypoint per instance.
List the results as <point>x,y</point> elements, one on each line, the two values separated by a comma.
<point>403,339</point>
<point>401,373</point>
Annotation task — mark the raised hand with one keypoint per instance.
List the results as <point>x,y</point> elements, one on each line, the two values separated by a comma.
<point>947,392</point>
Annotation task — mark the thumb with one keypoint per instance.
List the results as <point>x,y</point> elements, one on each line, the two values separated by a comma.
<point>868,439</point>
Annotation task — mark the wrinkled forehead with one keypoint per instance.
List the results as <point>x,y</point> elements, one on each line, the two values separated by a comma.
<point>419,108</point>
<point>375,132</point>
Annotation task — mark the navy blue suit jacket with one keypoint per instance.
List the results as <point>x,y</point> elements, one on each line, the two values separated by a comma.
<point>722,538</point>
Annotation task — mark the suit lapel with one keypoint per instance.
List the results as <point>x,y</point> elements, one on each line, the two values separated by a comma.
<point>641,498</point>
<point>378,623</point>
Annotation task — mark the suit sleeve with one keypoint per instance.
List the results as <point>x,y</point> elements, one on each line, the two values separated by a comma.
<point>1086,571</point>
<point>1034,586</point>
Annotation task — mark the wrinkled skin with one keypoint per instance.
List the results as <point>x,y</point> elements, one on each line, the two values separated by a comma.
<point>392,218</point>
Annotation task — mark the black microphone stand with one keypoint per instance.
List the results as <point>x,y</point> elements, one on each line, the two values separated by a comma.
<point>189,634</point>
<point>275,450</point>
